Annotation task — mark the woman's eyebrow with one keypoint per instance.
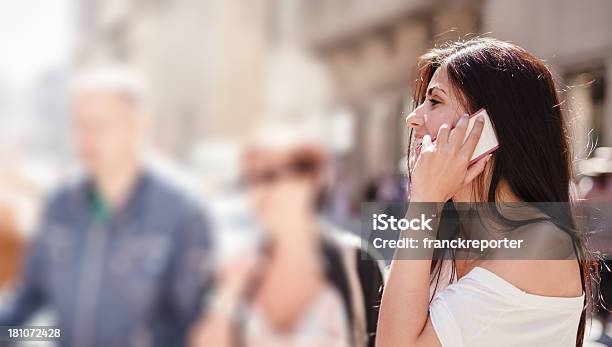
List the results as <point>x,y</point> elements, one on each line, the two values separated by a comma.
<point>430,90</point>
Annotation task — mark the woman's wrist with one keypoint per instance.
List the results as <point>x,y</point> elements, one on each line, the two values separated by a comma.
<point>430,196</point>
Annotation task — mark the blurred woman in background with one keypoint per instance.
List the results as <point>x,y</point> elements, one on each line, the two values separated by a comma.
<point>309,284</point>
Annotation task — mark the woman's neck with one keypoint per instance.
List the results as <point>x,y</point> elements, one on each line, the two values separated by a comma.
<point>503,194</point>
<point>301,236</point>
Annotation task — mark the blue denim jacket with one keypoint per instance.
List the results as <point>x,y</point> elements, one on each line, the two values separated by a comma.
<point>138,280</point>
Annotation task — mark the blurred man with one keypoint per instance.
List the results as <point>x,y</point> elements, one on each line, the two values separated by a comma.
<point>122,255</point>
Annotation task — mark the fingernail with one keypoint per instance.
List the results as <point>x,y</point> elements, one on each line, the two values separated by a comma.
<point>480,118</point>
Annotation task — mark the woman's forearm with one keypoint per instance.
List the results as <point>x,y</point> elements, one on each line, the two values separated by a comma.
<point>405,304</point>
<point>404,309</point>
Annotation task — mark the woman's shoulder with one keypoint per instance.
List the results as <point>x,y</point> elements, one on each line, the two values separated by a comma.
<point>548,265</point>
<point>549,278</point>
<point>494,301</point>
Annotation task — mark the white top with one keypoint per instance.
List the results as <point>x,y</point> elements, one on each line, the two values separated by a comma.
<point>483,309</point>
<point>323,324</point>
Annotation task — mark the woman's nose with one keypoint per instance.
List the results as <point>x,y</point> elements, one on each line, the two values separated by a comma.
<point>415,119</point>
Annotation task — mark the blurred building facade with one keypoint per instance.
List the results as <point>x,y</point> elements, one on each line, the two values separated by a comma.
<point>203,59</point>
<point>573,38</point>
<point>207,61</point>
<point>372,53</point>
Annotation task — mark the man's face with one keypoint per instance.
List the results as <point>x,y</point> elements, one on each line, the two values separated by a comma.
<point>107,130</point>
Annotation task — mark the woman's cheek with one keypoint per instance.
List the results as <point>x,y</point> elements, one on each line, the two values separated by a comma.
<point>446,117</point>
<point>434,126</point>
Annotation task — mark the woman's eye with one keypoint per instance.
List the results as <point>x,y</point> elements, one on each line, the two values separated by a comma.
<point>434,102</point>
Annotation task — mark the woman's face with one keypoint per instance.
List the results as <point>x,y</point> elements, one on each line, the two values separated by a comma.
<point>441,106</point>
<point>280,195</point>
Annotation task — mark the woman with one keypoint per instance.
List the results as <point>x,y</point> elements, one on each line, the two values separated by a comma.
<point>309,285</point>
<point>502,303</point>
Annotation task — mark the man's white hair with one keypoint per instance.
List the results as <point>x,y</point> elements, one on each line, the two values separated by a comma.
<point>113,78</point>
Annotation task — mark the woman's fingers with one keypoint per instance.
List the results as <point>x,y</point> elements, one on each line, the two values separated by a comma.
<point>426,143</point>
<point>470,143</point>
<point>458,134</point>
<point>476,169</point>
<point>443,133</point>
<point>440,173</point>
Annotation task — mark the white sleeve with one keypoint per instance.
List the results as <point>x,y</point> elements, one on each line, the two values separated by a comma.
<point>444,323</point>
<point>484,310</point>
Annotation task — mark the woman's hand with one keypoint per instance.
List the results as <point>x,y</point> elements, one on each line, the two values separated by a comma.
<point>214,327</point>
<point>443,168</point>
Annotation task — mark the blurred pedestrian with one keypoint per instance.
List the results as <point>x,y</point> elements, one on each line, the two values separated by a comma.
<point>309,285</point>
<point>121,254</point>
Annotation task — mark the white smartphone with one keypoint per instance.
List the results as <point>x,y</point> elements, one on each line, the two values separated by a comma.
<point>488,142</point>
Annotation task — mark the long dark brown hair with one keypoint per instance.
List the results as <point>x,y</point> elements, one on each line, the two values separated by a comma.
<point>534,159</point>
